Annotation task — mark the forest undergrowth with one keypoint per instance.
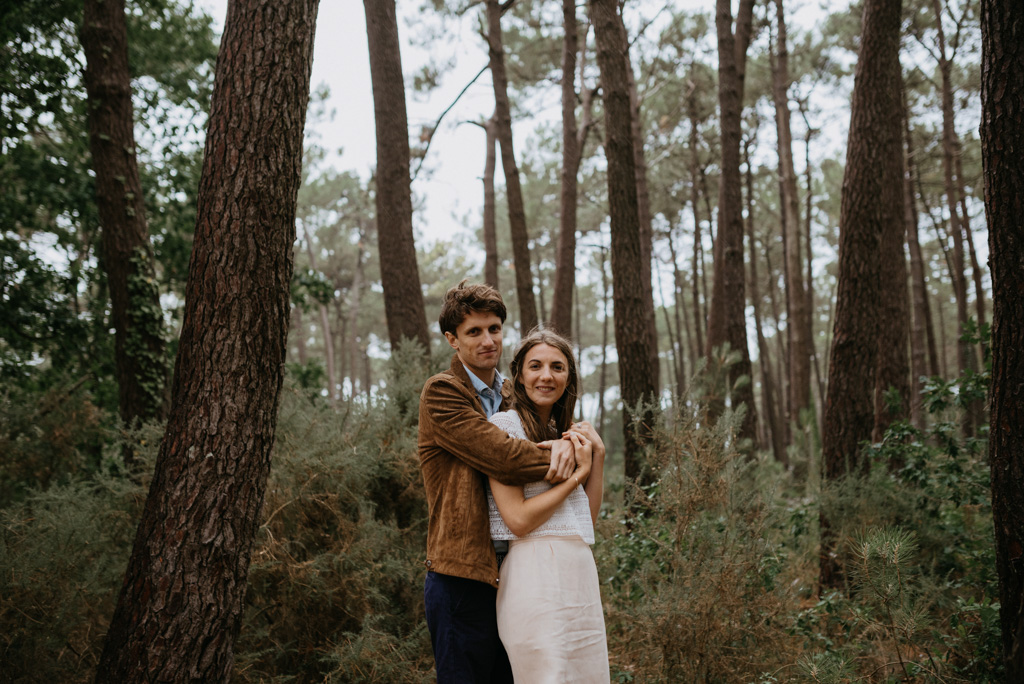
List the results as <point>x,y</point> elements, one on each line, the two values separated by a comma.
<point>708,575</point>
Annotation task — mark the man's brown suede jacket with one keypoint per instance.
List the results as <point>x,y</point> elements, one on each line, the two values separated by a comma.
<point>458,450</point>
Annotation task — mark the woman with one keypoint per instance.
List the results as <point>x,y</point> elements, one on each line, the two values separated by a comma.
<point>549,602</point>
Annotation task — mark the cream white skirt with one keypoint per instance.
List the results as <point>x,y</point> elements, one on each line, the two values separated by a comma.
<point>549,612</point>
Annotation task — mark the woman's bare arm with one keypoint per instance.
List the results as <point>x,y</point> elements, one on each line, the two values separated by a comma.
<point>523,515</point>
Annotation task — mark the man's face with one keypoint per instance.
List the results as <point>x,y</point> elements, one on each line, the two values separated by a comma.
<point>477,341</point>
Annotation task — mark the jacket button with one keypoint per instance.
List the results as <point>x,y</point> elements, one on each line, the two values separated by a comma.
<point>498,580</point>
<point>428,563</point>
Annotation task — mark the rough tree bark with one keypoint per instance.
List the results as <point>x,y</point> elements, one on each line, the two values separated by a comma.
<point>893,370</point>
<point>127,257</point>
<point>872,199</point>
<point>643,200</point>
<point>797,328</point>
<point>513,190</point>
<point>636,377</point>
<point>180,607</point>
<point>399,272</point>
<point>727,319</point>
<point>1002,150</point>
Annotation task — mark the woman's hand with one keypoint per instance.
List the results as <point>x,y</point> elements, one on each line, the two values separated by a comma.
<point>584,451</point>
<point>585,428</point>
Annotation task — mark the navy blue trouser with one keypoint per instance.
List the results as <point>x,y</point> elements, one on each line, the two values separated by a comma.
<point>464,631</point>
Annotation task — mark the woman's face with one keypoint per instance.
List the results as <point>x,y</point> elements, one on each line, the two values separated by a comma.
<point>544,376</point>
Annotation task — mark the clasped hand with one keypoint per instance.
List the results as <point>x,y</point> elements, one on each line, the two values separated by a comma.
<point>571,456</point>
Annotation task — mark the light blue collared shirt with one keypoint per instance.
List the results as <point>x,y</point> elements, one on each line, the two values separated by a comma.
<point>490,397</point>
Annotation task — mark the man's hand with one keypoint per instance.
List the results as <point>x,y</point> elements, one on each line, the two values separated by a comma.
<point>563,460</point>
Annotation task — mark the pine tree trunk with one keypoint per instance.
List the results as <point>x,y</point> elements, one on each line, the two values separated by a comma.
<point>399,272</point>
<point>127,258</point>
<point>180,607</point>
<point>490,214</point>
<point>636,376</point>
<point>922,334</point>
<point>513,190</point>
<point>872,199</point>
<point>325,323</point>
<point>565,256</point>
<point>603,375</point>
<point>727,319</point>
<point>796,297</point>
<point>643,199</point>
<point>770,406</point>
<point>697,262</point>
<point>1002,141</point>
<point>893,323</point>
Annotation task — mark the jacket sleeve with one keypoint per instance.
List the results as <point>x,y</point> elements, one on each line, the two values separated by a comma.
<point>463,431</point>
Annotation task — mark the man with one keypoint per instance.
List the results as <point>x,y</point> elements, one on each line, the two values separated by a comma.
<point>458,450</point>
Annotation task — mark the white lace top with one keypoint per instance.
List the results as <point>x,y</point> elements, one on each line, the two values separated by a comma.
<point>572,517</point>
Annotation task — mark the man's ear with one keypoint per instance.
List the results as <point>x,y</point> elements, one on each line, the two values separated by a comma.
<point>453,341</point>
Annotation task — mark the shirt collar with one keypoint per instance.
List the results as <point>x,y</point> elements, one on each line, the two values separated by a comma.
<point>479,385</point>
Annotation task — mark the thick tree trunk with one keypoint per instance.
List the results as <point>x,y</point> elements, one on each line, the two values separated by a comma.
<point>490,214</point>
<point>565,256</point>
<point>180,607</point>
<point>727,319</point>
<point>513,190</point>
<point>872,199</point>
<point>893,324</point>
<point>796,297</point>
<point>127,257</point>
<point>399,272</point>
<point>643,200</point>
<point>636,376</point>
<point>1002,144</point>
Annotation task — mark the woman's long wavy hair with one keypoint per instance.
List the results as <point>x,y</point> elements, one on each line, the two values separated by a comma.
<point>561,412</point>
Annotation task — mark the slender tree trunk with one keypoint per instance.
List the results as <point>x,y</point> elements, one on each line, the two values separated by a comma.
<point>127,258</point>
<point>796,297</point>
<point>770,406</point>
<point>872,199</point>
<point>636,376</point>
<point>565,262</point>
<point>727,320</point>
<point>399,272</point>
<point>325,322</point>
<point>180,606</point>
<point>513,190</point>
<point>1002,139</point>
<point>300,334</point>
<point>698,319</point>
<point>490,214</point>
<point>922,334</point>
<point>354,307</point>
<point>976,273</point>
<point>680,317</point>
<point>603,376</point>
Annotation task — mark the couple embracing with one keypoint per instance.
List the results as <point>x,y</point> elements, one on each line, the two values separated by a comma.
<point>511,482</point>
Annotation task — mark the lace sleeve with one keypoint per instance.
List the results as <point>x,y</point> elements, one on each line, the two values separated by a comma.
<point>510,423</point>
